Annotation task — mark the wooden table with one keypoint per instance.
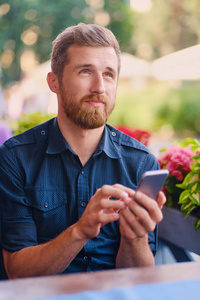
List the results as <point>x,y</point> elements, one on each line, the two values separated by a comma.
<point>31,288</point>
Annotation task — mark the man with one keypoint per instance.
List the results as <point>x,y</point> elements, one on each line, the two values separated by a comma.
<point>67,186</point>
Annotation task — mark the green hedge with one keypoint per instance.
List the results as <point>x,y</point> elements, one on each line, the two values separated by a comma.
<point>181,109</point>
<point>158,106</point>
<point>27,121</point>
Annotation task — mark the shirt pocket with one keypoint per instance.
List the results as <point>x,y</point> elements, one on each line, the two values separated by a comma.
<point>49,210</point>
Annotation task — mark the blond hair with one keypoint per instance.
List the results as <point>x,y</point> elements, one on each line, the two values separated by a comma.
<point>82,35</point>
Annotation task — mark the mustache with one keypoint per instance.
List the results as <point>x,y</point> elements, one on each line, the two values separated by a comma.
<point>94,97</point>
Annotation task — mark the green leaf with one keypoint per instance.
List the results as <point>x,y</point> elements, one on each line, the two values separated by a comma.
<point>197,224</point>
<point>197,158</point>
<point>195,187</point>
<point>195,198</point>
<point>189,178</point>
<point>188,208</point>
<point>163,150</point>
<point>184,197</point>
<point>189,142</point>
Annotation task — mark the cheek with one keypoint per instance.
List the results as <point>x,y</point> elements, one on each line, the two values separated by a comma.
<point>73,90</point>
<point>80,88</point>
<point>112,94</point>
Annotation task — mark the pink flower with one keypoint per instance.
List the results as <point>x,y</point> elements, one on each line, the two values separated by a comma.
<point>172,165</point>
<point>178,174</point>
<point>177,160</point>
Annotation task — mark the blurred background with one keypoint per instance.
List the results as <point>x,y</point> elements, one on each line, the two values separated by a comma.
<point>158,99</point>
<point>159,87</point>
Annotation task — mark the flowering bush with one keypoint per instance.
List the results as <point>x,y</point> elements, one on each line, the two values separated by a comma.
<point>183,162</point>
<point>142,136</point>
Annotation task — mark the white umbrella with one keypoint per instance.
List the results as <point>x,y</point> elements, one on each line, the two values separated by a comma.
<point>181,65</point>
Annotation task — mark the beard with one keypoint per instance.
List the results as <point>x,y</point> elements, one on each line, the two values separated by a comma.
<point>89,117</point>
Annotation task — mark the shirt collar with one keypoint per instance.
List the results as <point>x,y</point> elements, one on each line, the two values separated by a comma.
<point>58,144</point>
<point>107,144</point>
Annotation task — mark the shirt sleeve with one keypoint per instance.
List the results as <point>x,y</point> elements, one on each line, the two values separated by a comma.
<point>150,164</point>
<point>18,227</point>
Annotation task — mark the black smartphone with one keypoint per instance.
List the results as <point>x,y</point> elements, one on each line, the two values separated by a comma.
<point>151,182</point>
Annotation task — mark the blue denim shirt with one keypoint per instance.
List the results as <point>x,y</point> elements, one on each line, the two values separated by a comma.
<point>44,189</point>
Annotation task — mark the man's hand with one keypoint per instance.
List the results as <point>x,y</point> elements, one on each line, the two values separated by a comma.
<point>102,210</point>
<point>141,215</point>
<point>138,218</point>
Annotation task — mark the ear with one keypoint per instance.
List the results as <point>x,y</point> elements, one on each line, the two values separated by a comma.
<point>53,83</point>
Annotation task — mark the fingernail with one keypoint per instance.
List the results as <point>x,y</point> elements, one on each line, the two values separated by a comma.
<point>138,195</point>
<point>124,194</point>
<point>127,200</point>
<point>116,216</point>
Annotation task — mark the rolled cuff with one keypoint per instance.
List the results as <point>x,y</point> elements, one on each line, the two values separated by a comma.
<point>16,236</point>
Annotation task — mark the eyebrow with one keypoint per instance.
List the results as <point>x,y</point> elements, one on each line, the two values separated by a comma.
<point>90,65</point>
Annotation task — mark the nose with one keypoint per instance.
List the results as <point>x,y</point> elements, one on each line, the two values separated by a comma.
<point>97,84</point>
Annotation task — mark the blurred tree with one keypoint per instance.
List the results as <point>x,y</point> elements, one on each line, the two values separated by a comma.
<point>168,27</point>
<point>117,16</point>
<point>28,28</point>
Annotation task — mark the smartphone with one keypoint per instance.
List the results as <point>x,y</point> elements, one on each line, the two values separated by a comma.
<point>151,182</point>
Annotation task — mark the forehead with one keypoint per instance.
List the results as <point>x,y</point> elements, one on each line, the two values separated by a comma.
<point>97,56</point>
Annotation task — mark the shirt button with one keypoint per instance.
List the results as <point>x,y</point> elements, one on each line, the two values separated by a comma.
<point>46,205</point>
<point>43,132</point>
<point>82,172</point>
<point>83,204</point>
<point>113,133</point>
<point>86,257</point>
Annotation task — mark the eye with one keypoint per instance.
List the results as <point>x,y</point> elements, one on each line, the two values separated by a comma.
<point>109,74</point>
<point>84,71</point>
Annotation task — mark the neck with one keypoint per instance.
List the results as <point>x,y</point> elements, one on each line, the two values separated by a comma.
<point>82,141</point>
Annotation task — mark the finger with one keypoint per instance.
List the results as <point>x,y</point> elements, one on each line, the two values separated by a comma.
<point>130,191</point>
<point>107,191</point>
<point>109,204</point>
<point>103,219</point>
<point>149,205</point>
<point>139,221</point>
<point>103,195</point>
<point>125,229</point>
<point>161,199</point>
<point>131,227</point>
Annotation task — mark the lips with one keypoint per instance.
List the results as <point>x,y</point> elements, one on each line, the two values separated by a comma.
<point>94,100</point>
